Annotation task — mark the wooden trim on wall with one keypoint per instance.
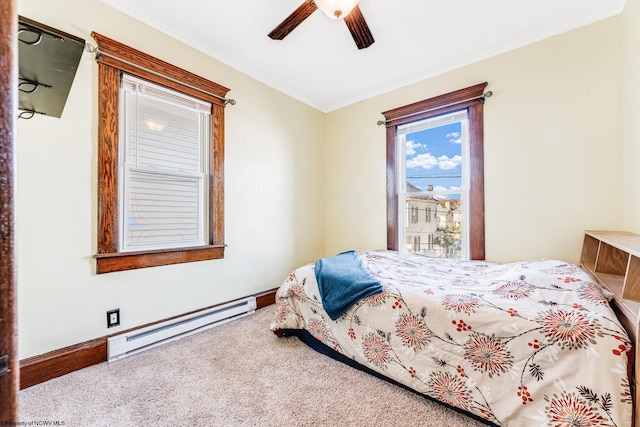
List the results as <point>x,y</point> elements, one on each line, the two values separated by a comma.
<point>266,298</point>
<point>108,77</point>
<point>121,261</point>
<point>133,61</point>
<point>38,369</point>
<point>476,202</point>
<point>392,192</point>
<point>216,178</point>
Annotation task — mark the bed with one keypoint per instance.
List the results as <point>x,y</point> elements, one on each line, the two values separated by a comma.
<point>531,343</point>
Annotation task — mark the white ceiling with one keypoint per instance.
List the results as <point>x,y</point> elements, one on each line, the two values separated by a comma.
<point>319,64</point>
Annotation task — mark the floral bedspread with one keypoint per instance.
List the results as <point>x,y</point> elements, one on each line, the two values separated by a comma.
<point>523,344</point>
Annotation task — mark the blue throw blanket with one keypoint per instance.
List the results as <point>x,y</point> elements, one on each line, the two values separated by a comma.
<point>343,281</point>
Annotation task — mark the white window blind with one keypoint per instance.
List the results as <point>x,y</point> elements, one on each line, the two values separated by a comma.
<point>164,178</point>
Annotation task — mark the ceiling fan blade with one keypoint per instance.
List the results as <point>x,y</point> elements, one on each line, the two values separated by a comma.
<point>359,28</point>
<point>292,21</point>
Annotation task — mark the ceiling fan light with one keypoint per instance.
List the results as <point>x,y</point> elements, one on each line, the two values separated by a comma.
<point>336,9</point>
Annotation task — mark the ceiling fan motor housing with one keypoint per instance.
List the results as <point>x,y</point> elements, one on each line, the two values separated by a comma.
<point>336,9</point>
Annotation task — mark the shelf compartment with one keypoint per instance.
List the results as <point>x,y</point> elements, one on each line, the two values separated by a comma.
<point>589,252</point>
<point>630,289</point>
<point>611,260</point>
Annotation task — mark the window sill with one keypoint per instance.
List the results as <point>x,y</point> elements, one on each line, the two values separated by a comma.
<point>108,263</point>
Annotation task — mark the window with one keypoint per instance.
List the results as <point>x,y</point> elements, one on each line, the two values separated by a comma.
<point>164,190</point>
<point>433,160</point>
<point>455,193</point>
<point>415,211</point>
<point>160,162</point>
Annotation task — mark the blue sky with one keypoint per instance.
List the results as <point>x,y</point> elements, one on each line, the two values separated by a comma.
<point>434,158</point>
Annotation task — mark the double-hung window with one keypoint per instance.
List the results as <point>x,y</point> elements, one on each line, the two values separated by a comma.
<point>433,162</point>
<point>164,151</point>
<point>435,171</point>
<point>160,162</point>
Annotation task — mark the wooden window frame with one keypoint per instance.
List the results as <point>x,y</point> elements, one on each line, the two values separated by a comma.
<point>113,59</point>
<point>472,100</point>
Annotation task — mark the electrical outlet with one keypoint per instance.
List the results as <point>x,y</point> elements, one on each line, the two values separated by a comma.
<point>113,318</point>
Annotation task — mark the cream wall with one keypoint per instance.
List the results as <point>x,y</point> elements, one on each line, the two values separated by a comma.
<point>553,150</point>
<point>631,115</point>
<point>301,184</point>
<point>273,197</point>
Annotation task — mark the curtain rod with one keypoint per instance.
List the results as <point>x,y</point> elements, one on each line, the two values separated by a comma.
<point>487,94</point>
<point>92,49</point>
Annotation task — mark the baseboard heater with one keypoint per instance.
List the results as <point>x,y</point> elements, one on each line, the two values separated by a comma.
<point>133,342</point>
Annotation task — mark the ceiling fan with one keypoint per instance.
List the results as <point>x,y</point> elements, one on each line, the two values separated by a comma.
<point>334,9</point>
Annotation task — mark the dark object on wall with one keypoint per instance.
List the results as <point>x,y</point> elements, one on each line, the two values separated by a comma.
<point>48,60</point>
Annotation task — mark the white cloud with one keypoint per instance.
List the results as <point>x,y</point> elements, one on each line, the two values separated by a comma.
<point>411,147</point>
<point>426,161</point>
<point>446,163</point>
<point>429,161</point>
<point>454,137</point>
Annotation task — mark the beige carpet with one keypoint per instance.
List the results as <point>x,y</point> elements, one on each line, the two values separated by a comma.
<point>237,374</point>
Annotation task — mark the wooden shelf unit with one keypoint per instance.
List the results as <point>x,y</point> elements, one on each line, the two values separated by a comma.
<point>613,259</point>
